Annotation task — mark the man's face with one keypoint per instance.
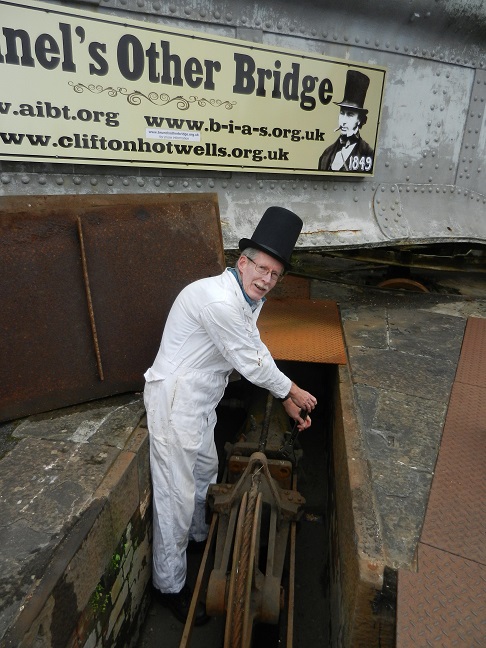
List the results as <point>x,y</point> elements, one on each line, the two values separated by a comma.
<point>256,284</point>
<point>349,121</point>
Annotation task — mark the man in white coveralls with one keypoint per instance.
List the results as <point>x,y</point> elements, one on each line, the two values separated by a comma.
<point>211,330</point>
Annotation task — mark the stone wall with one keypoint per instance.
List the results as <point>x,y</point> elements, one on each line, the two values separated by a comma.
<point>93,591</point>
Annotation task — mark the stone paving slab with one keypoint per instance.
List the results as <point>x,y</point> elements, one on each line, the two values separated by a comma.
<point>45,486</point>
<point>426,333</point>
<point>105,421</point>
<point>408,373</point>
<point>49,478</point>
<point>368,331</point>
<point>401,498</point>
<point>403,350</point>
<point>403,429</point>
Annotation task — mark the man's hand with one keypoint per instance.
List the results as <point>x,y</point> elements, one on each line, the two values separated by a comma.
<point>301,398</point>
<point>294,412</point>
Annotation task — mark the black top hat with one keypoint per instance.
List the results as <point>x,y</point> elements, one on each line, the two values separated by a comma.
<point>276,234</point>
<point>355,91</point>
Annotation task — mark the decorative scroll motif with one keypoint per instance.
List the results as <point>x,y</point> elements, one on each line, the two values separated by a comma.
<point>135,98</point>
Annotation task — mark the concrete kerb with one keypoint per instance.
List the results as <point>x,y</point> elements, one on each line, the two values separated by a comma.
<point>361,559</point>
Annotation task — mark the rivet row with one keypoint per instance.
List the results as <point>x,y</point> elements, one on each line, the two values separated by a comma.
<point>190,12</point>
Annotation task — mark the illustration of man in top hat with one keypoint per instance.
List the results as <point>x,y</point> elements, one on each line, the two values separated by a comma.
<point>350,153</point>
<point>211,330</point>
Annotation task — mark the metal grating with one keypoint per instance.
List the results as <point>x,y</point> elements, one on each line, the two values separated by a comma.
<point>303,330</point>
<point>444,604</point>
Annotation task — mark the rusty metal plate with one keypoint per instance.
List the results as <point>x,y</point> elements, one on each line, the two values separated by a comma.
<point>303,330</point>
<point>472,363</point>
<point>456,513</point>
<point>444,604</point>
<point>86,285</point>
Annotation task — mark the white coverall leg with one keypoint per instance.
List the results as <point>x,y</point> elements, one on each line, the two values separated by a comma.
<point>183,461</point>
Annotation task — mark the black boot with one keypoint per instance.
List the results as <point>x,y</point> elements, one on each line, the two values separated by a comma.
<point>179,605</point>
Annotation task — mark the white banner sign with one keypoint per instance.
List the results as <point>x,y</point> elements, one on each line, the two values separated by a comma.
<point>89,88</point>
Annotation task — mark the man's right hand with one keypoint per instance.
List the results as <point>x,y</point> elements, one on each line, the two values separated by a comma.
<point>294,413</point>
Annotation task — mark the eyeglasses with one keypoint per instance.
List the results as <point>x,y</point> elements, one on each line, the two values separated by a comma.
<point>263,270</point>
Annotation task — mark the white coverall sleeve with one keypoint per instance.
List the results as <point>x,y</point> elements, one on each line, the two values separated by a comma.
<point>239,342</point>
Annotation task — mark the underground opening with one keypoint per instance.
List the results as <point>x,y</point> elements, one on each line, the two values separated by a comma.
<point>302,592</point>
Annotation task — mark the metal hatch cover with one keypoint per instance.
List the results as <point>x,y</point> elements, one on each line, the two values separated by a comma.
<point>303,330</point>
<point>86,286</point>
